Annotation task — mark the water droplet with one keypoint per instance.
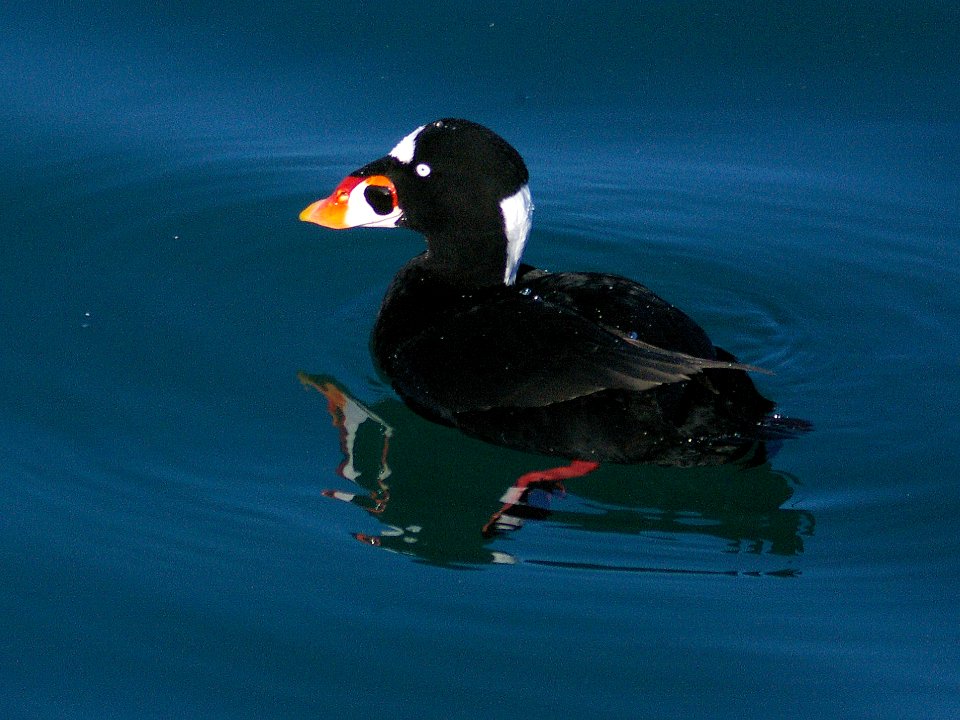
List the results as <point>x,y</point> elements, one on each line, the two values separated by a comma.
<point>632,335</point>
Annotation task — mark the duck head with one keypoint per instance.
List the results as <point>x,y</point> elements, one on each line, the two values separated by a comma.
<point>459,184</point>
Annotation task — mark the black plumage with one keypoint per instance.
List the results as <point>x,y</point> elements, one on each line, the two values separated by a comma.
<point>588,366</point>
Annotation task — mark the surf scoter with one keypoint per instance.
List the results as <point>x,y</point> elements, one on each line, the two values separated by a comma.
<point>582,365</point>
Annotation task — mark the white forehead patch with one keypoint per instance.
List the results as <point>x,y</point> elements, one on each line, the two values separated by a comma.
<point>517,217</point>
<point>404,149</point>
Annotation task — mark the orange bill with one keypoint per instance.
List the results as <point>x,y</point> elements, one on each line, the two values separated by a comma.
<point>350,206</point>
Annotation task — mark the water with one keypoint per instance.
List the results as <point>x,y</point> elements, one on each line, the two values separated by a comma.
<point>786,174</point>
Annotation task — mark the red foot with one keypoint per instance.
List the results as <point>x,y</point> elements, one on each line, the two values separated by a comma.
<point>515,508</point>
<point>367,539</point>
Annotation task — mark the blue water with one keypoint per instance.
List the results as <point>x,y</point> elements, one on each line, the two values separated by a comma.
<point>785,172</point>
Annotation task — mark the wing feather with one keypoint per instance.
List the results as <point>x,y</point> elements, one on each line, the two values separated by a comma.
<point>551,353</point>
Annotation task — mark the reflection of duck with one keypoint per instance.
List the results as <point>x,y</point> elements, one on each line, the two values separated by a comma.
<point>435,505</point>
<point>586,366</point>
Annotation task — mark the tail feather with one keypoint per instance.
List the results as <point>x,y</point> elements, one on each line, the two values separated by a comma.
<point>778,427</point>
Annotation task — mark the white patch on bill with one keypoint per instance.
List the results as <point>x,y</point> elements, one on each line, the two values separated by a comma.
<point>517,213</point>
<point>360,214</point>
<point>404,149</point>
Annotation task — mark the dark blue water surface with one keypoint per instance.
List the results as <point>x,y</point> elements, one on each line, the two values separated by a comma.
<point>785,172</point>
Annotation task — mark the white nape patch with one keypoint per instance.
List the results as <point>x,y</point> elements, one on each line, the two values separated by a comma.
<point>404,149</point>
<point>517,216</point>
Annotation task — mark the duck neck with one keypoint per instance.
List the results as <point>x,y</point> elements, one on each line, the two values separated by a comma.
<point>467,259</point>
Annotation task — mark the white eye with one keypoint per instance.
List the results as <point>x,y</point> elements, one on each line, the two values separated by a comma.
<point>423,169</point>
